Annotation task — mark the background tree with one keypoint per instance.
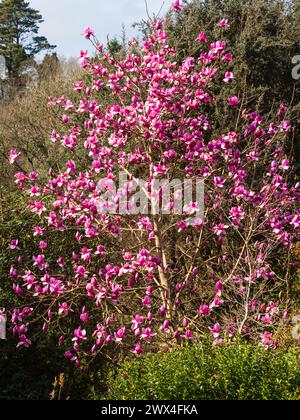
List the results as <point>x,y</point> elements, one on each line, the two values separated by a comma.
<point>19,38</point>
<point>264,36</point>
<point>26,121</point>
<point>50,66</point>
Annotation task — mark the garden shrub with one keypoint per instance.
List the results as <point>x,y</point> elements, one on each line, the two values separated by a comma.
<point>237,371</point>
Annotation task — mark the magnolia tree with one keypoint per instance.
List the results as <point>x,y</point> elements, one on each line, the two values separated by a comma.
<point>179,229</point>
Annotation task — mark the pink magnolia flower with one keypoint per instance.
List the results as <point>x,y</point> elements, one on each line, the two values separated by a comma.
<point>220,230</point>
<point>14,244</point>
<point>63,309</point>
<point>100,250</point>
<point>79,335</point>
<point>13,156</point>
<point>202,38</point>
<point>45,328</point>
<point>228,77</point>
<point>37,207</point>
<point>228,57</point>
<point>61,262</point>
<point>151,237</point>
<point>33,176</point>
<point>54,136</point>
<point>128,256</point>
<point>285,315</point>
<point>165,328</point>
<point>218,342</point>
<point>219,182</point>
<point>88,32</point>
<point>182,225</point>
<point>216,330</point>
<point>163,311</point>
<point>24,342</point>
<point>81,271</point>
<point>224,23</point>
<point>84,317</point>
<point>34,191</point>
<point>78,86</point>
<point>70,356</point>
<point>177,5</point>
<point>204,310</point>
<point>285,126</point>
<point>285,165</point>
<point>137,322</point>
<point>17,290</point>
<point>217,303</point>
<point>147,334</point>
<point>86,255</point>
<point>69,105</point>
<point>267,340</point>
<point>191,208</point>
<point>38,231</point>
<point>198,223</point>
<point>43,245</point>
<point>219,288</point>
<point>147,301</point>
<point>233,101</point>
<point>189,335</point>
<point>138,349</point>
<point>296,221</point>
<point>119,335</point>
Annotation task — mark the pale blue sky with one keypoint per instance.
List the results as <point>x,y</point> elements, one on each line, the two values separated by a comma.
<point>66,19</point>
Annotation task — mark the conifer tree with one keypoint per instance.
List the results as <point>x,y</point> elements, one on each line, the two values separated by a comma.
<point>19,34</point>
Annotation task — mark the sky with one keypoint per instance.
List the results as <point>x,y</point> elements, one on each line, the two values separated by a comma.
<point>66,19</point>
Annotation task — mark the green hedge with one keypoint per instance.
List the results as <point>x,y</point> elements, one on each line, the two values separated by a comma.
<point>233,372</point>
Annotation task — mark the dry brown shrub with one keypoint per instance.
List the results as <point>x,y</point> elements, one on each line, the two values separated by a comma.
<point>26,124</point>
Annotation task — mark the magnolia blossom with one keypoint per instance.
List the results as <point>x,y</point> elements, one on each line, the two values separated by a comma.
<point>219,182</point>
<point>38,231</point>
<point>217,303</point>
<point>285,165</point>
<point>224,23</point>
<point>296,221</point>
<point>79,335</point>
<point>13,156</point>
<point>267,340</point>
<point>63,309</point>
<point>228,77</point>
<point>54,136</point>
<point>137,321</point>
<point>216,330</point>
<point>14,244</point>
<point>84,317</point>
<point>233,101</point>
<point>219,288</point>
<point>88,32</point>
<point>204,310</point>
<point>177,5</point>
<point>24,341</point>
<point>119,335</point>
<point>202,38</point>
<point>138,350</point>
